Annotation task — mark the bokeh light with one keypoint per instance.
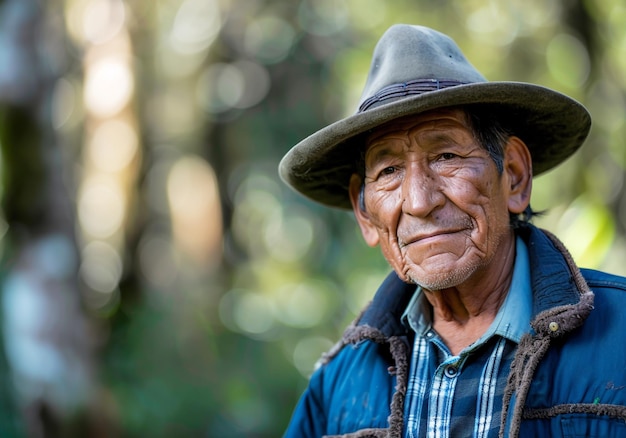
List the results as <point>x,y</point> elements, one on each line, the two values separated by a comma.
<point>101,268</point>
<point>568,61</point>
<point>323,17</point>
<point>269,38</point>
<point>587,229</point>
<point>113,145</point>
<point>102,20</point>
<point>195,209</point>
<point>224,86</point>
<point>101,207</point>
<point>367,14</point>
<point>303,305</point>
<point>109,86</point>
<point>247,312</point>
<point>288,236</point>
<point>195,26</point>
<point>308,351</point>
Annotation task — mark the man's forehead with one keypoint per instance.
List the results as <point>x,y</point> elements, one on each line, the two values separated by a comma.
<point>407,123</point>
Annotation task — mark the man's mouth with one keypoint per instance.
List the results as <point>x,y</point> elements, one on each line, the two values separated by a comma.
<point>424,237</point>
<point>418,238</point>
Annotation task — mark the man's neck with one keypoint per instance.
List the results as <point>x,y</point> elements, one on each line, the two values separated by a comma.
<point>461,315</point>
<point>461,327</point>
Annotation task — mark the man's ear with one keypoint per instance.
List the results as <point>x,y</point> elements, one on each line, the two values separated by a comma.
<point>357,198</point>
<point>519,169</point>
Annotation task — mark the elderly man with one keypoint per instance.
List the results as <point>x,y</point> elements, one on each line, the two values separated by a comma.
<point>485,327</point>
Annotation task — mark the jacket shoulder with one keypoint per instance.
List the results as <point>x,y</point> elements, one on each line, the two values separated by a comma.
<point>598,279</point>
<point>350,392</point>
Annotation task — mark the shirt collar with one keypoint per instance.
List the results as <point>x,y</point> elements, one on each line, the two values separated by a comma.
<point>511,321</point>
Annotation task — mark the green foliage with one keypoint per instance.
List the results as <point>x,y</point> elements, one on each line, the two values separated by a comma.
<point>223,347</point>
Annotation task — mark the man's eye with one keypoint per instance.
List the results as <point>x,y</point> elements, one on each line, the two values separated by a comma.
<point>448,156</point>
<point>388,170</point>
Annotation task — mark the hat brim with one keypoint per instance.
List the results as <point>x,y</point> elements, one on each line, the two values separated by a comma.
<point>552,125</point>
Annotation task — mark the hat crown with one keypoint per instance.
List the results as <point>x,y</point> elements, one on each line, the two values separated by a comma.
<point>408,53</point>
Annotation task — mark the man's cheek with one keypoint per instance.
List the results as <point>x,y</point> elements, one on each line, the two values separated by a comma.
<point>392,253</point>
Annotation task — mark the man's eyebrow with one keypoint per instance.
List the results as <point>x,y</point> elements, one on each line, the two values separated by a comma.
<point>378,151</point>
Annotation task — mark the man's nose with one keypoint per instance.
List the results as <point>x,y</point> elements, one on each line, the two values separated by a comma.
<point>421,192</point>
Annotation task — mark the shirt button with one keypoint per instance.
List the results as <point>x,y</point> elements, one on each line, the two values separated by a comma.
<point>450,371</point>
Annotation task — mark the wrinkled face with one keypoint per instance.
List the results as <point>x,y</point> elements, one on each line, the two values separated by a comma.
<point>435,201</point>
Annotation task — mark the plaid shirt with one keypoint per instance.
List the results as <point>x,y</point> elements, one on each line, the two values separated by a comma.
<point>461,396</point>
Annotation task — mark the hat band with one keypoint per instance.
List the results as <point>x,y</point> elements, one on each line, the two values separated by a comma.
<point>418,86</point>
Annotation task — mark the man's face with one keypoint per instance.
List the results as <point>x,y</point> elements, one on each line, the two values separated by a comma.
<point>435,201</point>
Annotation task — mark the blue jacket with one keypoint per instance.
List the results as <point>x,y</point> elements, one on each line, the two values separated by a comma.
<point>568,378</point>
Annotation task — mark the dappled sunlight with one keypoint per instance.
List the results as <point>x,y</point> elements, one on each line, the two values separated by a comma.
<point>323,17</point>
<point>361,286</point>
<point>269,314</point>
<point>588,231</point>
<point>101,207</point>
<point>303,305</point>
<point>213,287</point>
<point>269,39</point>
<point>240,85</point>
<point>493,22</point>
<point>108,86</point>
<point>288,237</point>
<point>195,210</point>
<point>252,314</point>
<point>227,83</point>
<point>113,145</point>
<point>95,21</point>
<point>247,312</point>
<point>111,148</point>
<point>262,224</point>
<point>196,25</point>
<point>102,20</point>
<point>101,267</point>
<point>308,351</point>
<point>568,61</point>
<point>367,14</point>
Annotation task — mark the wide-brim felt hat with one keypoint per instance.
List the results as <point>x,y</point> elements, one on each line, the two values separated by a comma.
<point>415,69</point>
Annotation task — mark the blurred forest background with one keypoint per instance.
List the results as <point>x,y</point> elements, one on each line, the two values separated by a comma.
<point>157,277</point>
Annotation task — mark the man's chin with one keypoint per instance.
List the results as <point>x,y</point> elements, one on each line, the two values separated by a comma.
<point>440,280</point>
